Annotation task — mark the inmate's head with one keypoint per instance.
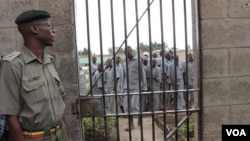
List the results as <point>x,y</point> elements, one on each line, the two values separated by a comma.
<point>94,59</point>
<point>190,57</point>
<point>153,63</point>
<point>129,52</point>
<point>145,60</point>
<point>168,56</point>
<point>117,59</point>
<point>108,62</point>
<point>154,55</point>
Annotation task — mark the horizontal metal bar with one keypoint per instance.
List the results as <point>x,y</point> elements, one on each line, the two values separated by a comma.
<point>155,112</point>
<point>145,93</point>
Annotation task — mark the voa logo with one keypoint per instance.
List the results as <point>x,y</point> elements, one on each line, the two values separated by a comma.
<point>236,132</point>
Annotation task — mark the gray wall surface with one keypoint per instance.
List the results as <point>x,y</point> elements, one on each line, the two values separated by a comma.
<point>64,49</point>
<point>225,42</point>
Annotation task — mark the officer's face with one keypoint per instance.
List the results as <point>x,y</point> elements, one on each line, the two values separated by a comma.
<point>45,32</point>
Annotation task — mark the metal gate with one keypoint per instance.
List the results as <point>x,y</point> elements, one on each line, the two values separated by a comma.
<point>147,86</point>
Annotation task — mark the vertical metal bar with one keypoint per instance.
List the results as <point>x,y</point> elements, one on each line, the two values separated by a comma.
<point>200,68</point>
<point>88,40</point>
<point>186,53</point>
<point>162,53</point>
<point>139,67</point>
<point>89,51</point>
<point>127,74</point>
<point>175,84</point>
<point>186,71</point>
<point>114,65</point>
<point>101,55</point>
<point>164,74</point>
<point>150,46</point>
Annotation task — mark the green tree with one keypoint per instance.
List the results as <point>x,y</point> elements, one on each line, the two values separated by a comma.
<point>110,50</point>
<point>155,46</point>
<point>143,47</point>
<point>85,51</point>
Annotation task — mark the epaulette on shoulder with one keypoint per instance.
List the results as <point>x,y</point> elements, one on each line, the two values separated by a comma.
<point>12,56</point>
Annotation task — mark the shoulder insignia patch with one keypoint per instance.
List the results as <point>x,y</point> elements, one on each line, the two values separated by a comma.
<point>12,56</point>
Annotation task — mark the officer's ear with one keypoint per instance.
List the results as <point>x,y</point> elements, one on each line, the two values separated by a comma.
<point>34,29</point>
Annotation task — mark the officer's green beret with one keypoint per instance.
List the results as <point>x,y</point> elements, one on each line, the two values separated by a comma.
<point>31,15</point>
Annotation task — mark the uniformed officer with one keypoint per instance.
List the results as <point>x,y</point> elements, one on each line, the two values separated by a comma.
<point>31,90</point>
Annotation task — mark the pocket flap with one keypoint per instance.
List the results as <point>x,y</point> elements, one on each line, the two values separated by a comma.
<point>32,85</point>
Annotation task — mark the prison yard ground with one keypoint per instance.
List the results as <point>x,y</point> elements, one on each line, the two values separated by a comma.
<point>148,131</point>
<point>158,129</point>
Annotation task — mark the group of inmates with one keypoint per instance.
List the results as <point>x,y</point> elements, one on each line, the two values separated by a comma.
<point>143,83</point>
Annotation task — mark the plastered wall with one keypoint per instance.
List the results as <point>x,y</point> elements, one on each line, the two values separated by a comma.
<point>225,42</point>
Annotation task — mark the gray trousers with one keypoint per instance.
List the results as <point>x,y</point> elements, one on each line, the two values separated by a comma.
<point>190,97</point>
<point>111,100</point>
<point>180,95</point>
<point>134,105</point>
<point>168,96</point>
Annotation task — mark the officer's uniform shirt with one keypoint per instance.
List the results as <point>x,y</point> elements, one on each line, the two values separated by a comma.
<point>31,90</point>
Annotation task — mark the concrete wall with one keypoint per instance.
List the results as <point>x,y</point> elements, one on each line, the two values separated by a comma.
<point>64,49</point>
<point>225,34</point>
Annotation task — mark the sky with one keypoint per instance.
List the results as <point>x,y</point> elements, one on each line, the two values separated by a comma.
<point>107,41</point>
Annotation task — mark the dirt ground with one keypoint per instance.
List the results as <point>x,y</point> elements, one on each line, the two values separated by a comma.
<point>136,133</point>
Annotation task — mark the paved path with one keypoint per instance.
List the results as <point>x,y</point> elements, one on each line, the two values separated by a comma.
<point>136,133</point>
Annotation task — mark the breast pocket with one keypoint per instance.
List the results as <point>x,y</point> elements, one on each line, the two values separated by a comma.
<point>32,90</point>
